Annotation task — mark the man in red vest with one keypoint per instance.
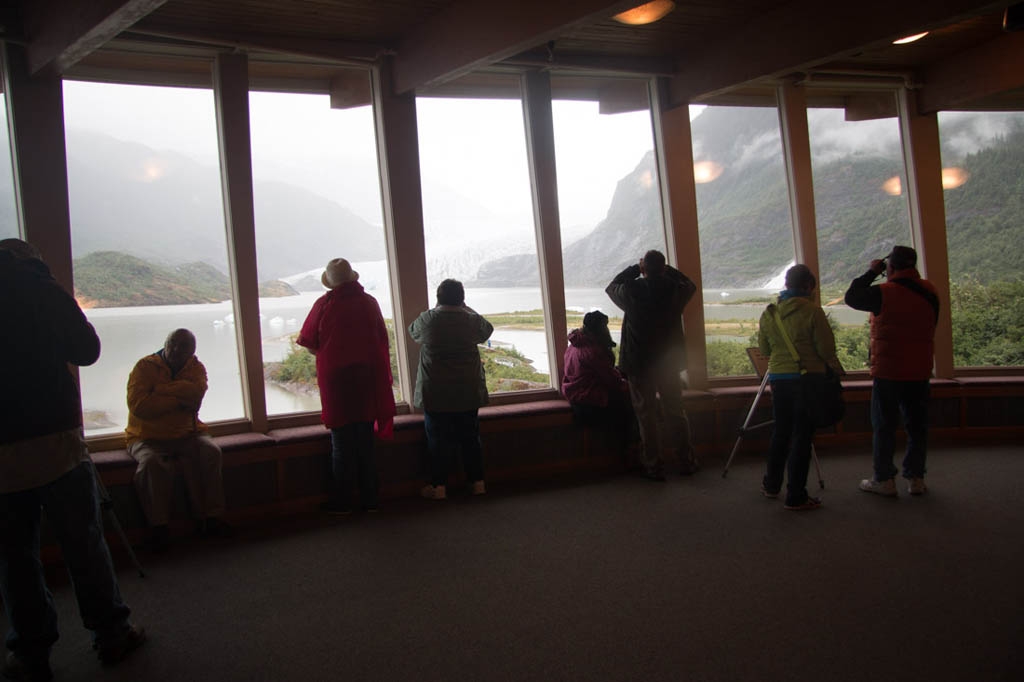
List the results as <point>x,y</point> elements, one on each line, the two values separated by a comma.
<point>904,310</point>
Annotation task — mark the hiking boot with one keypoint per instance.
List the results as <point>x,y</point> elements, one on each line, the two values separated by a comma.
<point>434,492</point>
<point>917,487</point>
<point>17,669</point>
<point>478,488</point>
<point>773,494</point>
<point>116,649</point>
<point>807,505</point>
<point>654,475</point>
<point>886,487</point>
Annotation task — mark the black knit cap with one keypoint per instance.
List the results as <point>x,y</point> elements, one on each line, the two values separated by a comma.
<point>596,324</point>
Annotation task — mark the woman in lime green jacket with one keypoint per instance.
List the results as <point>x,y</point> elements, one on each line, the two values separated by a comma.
<point>811,336</point>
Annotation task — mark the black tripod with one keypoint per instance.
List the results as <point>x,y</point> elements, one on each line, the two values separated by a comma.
<point>760,363</point>
<point>110,518</point>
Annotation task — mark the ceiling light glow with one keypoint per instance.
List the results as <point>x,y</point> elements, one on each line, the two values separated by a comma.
<point>893,186</point>
<point>954,177</point>
<point>647,13</point>
<point>706,171</point>
<point>910,39</point>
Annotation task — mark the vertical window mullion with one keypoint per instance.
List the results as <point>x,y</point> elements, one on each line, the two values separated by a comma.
<point>401,195</point>
<point>920,138</point>
<point>796,150</point>
<point>231,94</point>
<point>540,150</point>
<point>674,148</point>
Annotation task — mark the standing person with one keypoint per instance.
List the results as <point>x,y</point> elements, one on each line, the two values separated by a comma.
<point>346,333</point>
<point>165,392</point>
<point>653,294</point>
<point>450,385</point>
<point>807,328</point>
<point>45,465</point>
<point>904,311</point>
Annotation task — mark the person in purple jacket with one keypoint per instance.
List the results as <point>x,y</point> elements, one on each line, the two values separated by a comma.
<point>596,390</point>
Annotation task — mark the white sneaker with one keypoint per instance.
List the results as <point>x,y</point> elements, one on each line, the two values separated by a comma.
<point>886,487</point>
<point>917,487</point>
<point>478,488</point>
<point>433,492</point>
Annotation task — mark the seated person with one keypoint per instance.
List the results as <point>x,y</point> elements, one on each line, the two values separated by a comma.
<point>596,390</point>
<point>165,390</point>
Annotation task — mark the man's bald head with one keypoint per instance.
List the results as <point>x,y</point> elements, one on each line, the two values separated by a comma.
<point>179,347</point>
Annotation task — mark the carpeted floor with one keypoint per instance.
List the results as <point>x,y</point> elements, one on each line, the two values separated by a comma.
<point>611,579</point>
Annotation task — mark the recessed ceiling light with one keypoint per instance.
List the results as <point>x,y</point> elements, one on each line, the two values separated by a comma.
<point>910,39</point>
<point>647,13</point>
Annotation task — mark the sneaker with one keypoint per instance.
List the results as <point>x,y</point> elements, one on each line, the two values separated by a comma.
<point>886,487</point>
<point>17,669</point>
<point>769,493</point>
<point>654,475</point>
<point>434,492</point>
<point>478,488</point>
<point>917,487</point>
<point>117,648</point>
<point>806,505</point>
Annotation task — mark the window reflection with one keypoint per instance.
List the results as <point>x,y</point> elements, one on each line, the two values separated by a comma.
<point>148,238</point>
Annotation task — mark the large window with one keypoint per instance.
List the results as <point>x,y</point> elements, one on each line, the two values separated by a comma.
<point>608,201</point>
<point>8,207</point>
<point>746,235</point>
<point>317,197</point>
<point>479,228</point>
<point>983,182</point>
<point>861,211</point>
<point>148,238</point>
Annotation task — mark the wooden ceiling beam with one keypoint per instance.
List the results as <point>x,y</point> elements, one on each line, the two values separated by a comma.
<point>804,34</point>
<point>62,32</point>
<point>624,64</point>
<point>988,69</point>
<point>470,34</point>
<point>331,50</point>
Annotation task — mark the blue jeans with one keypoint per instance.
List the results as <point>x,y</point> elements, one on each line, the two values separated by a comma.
<point>791,442</point>
<point>888,399</point>
<point>352,458</point>
<point>447,431</point>
<point>72,508</point>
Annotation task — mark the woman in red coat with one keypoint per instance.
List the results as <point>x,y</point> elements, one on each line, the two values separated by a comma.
<point>346,332</point>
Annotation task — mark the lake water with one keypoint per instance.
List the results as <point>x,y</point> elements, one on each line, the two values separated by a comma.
<point>127,334</point>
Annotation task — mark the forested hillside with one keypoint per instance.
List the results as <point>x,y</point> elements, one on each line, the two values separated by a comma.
<point>106,279</point>
<point>745,232</point>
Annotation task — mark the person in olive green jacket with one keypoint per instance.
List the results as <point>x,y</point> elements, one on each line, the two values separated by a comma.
<point>450,385</point>
<point>808,329</point>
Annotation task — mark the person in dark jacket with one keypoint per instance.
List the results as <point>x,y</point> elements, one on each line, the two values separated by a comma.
<point>450,385</point>
<point>904,311</point>
<point>45,466</point>
<point>597,392</point>
<point>807,328</point>
<point>653,294</point>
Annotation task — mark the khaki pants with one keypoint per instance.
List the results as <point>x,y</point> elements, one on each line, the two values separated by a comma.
<point>200,461</point>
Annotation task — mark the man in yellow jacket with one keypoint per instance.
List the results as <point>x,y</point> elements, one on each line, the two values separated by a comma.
<point>165,390</point>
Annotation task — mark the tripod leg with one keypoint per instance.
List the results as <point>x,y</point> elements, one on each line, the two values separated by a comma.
<point>746,423</point>
<point>111,518</point>
<point>817,467</point>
